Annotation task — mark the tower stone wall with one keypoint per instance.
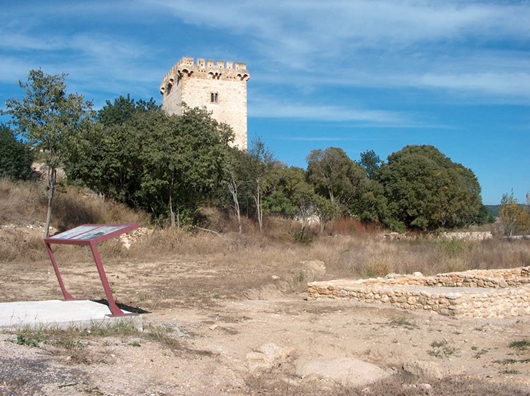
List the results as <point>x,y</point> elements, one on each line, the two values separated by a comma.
<point>220,87</point>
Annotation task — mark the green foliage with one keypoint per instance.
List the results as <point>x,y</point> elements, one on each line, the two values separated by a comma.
<point>515,218</point>
<point>303,237</point>
<point>453,247</point>
<point>47,117</point>
<point>372,205</point>
<point>258,165</point>
<point>185,162</point>
<point>165,165</point>
<point>371,162</point>
<point>441,349</point>
<point>123,108</point>
<point>15,156</point>
<point>425,190</point>
<point>336,176</point>
<point>485,216</point>
<point>50,121</point>
<point>522,345</point>
<point>289,194</point>
<point>29,338</point>
<point>493,210</point>
<point>277,203</point>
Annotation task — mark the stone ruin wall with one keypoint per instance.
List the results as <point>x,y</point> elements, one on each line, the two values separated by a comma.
<point>194,83</point>
<point>474,294</point>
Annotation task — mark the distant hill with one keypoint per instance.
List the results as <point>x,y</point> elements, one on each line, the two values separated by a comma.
<point>494,210</point>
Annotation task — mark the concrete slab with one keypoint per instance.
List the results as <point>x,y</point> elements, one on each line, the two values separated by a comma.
<point>59,314</point>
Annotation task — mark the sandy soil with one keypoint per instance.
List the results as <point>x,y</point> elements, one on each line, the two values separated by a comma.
<point>204,335</point>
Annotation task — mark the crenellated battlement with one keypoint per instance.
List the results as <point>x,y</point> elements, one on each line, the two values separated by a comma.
<point>218,86</point>
<point>204,68</point>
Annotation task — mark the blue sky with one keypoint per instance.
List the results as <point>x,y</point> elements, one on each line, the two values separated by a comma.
<point>360,75</point>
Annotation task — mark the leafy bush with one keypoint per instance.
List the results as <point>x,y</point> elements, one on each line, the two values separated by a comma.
<point>15,156</point>
<point>303,236</point>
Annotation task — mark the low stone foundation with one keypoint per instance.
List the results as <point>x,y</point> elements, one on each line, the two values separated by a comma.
<point>480,293</point>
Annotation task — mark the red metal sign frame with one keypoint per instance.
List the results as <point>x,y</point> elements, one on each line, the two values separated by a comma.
<point>89,235</point>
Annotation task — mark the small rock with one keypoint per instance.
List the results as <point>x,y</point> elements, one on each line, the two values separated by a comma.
<point>313,270</point>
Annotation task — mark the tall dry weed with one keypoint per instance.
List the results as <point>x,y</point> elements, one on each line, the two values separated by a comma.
<point>75,206</point>
<point>351,251</point>
<point>21,202</point>
<point>376,258</point>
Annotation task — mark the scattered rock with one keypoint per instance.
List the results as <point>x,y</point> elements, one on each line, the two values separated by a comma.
<point>345,370</point>
<point>424,369</point>
<point>129,238</point>
<point>313,270</point>
<point>268,356</point>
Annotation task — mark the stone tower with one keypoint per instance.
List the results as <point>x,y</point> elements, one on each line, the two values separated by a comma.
<point>220,87</point>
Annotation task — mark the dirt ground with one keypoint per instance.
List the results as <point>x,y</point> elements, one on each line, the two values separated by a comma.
<point>208,334</point>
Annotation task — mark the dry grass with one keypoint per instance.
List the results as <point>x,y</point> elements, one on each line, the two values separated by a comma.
<point>346,247</point>
<point>24,203</point>
<point>21,203</point>
<point>395,385</point>
<point>241,265</point>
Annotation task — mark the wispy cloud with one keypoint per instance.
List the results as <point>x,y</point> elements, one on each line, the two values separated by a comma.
<point>270,108</point>
<point>454,47</point>
<point>422,44</point>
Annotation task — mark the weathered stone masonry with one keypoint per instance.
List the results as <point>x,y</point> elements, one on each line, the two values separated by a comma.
<point>220,87</point>
<point>480,294</point>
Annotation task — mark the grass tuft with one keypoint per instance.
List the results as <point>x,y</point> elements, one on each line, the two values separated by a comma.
<point>522,345</point>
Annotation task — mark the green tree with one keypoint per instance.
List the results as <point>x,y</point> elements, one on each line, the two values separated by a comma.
<point>107,157</point>
<point>426,190</point>
<point>336,176</point>
<point>50,121</point>
<point>15,156</point>
<point>515,217</point>
<point>372,205</point>
<point>236,179</point>
<point>289,192</point>
<point>185,161</point>
<point>123,108</point>
<point>260,161</point>
<point>165,165</point>
<point>371,162</point>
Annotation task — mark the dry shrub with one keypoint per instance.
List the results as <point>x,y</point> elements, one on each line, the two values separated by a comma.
<point>359,254</point>
<point>16,246</point>
<point>433,256</point>
<point>345,226</point>
<point>23,203</point>
<point>170,242</point>
<point>20,202</point>
<point>274,384</point>
<point>74,206</point>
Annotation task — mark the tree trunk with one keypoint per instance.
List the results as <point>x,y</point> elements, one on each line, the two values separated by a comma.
<point>259,209</point>
<point>52,179</point>
<point>171,211</point>
<point>232,187</point>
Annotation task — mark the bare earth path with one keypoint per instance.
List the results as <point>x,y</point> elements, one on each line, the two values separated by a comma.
<point>206,334</point>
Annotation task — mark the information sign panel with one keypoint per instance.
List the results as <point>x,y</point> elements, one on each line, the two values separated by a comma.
<point>89,234</point>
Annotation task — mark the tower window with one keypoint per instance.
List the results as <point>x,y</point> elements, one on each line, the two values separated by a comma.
<point>214,97</point>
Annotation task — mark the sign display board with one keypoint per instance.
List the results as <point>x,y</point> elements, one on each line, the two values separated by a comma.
<point>85,234</point>
<point>89,234</point>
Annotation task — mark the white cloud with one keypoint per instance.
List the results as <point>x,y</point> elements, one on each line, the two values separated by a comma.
<point>450,45</point>
<point>270,108</point>
<point>455,47</point>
